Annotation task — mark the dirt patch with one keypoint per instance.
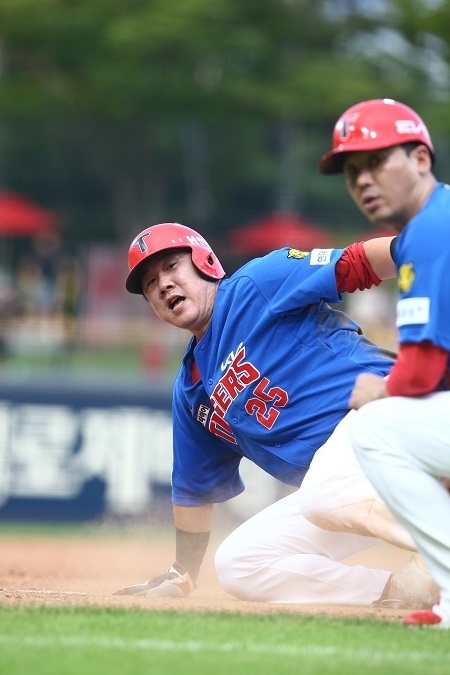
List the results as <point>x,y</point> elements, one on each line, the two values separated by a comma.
<point>86,570</point>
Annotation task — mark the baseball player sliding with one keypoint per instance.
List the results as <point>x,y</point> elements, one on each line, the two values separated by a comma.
<point>267,375</point>
<point>401,432</point>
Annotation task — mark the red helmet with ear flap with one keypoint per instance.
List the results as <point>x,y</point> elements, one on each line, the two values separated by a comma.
<point>164,237</point>
<point>374,125</point>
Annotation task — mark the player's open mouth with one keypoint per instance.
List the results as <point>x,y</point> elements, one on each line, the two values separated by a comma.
<point>175,302</point>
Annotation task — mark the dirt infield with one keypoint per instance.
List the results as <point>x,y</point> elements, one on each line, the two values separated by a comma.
<point>85,571</point>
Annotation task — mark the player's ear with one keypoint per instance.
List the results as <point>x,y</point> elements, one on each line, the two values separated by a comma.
<point>422,156</point>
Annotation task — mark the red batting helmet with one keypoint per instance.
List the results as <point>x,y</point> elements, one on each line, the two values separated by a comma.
<point>373,125</point>
<point>166,236</point>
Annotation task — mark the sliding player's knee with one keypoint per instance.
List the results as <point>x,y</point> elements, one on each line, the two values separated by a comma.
<point>235,571</point>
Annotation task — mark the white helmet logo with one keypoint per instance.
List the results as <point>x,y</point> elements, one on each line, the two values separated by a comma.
<point>410,127</point>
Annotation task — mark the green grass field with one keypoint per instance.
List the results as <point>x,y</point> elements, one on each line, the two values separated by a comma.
<point>55,641</point>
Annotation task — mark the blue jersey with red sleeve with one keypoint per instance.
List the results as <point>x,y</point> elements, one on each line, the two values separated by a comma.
<point>277,367</point>
<point>422,257</point>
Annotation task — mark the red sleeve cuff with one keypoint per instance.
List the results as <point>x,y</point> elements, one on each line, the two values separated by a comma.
<point>353,270</point>
<point>418,369</point>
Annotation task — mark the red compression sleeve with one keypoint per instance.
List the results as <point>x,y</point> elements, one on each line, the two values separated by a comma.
<point>417,369</point>
<point>353,270</point>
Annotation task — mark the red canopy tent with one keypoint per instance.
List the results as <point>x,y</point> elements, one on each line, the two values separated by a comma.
<point>20,217</point>
<point>276,231</point>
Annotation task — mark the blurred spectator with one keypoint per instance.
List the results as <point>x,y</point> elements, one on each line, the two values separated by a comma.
<point>47,257</point>
<point>68,293</point>
<point>8,306</point>
<point>48,286</point>
<point>8,298</point>
<point>28,285</point>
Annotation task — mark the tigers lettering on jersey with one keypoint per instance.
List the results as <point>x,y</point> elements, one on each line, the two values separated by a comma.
<point>264,403</point>
<point>240,374</point>
<point>229,360</point>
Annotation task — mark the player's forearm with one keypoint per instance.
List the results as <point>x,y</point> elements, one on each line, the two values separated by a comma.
<point>368,387</point>
<point>417,371</point>
<point>193,527</point>
<point>378,252</point>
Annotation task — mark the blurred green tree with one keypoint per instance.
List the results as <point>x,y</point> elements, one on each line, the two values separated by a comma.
<point>122,113</point>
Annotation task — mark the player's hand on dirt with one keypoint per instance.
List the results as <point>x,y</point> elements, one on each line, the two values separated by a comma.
<point>175,583</point>
<point>368,387</point>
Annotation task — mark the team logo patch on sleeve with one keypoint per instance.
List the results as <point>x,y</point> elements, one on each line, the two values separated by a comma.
<point>406,276</point>
<point>320,256</point>
<point>203,413</point>
<point>295,253</point>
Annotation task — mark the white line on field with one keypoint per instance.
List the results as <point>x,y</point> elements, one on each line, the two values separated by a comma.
<point>32,591</point>
<point>225,647</point>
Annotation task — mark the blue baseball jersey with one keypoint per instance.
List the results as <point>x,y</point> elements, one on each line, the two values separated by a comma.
<point>422,257</point>
<point>277,366</point>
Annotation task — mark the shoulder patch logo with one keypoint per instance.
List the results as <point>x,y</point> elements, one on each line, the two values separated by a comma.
<point>295,253</point>
<point>320,256</point>
<point>406,276</point>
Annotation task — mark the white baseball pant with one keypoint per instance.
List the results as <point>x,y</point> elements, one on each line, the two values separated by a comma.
<point>403,445</point>
<point>284,554</point>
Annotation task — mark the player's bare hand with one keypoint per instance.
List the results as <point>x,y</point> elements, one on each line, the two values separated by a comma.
<point>368,387</point>
<point>175,583</point>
